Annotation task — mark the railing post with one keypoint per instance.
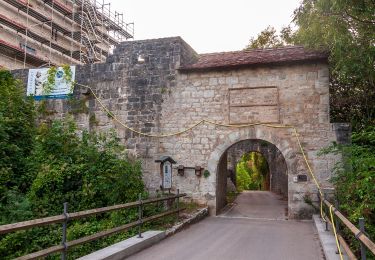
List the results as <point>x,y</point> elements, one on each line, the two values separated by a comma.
<point>325,198</point>
<point>64,227</point>
<point>337,222</point>
<point>140,216</point>
<point>319,201</point>
<point>178,204</point>
<point>362,228</point>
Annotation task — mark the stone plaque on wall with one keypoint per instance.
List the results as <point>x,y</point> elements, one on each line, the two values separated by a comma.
<point>254,105</point>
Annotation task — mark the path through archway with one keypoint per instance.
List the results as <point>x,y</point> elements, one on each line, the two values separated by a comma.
<point>272,203</point>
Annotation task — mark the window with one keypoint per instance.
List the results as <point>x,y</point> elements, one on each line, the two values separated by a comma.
<point>28,48</point>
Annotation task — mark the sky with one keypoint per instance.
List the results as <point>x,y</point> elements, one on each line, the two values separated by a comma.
<point>206,25</point>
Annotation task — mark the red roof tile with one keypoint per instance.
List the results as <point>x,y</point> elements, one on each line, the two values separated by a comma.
<point>223,60</point>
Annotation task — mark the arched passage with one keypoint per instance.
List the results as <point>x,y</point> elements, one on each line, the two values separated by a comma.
<point>278,182</point>
<point>226,169</point>
<point>280,138</point>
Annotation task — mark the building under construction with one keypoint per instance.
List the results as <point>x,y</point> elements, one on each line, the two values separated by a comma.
<point>37,33</point>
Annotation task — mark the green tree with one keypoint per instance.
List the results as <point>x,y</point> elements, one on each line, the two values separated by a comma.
<point>346,28</point>
<point>268,38</point>
<point>43,166</point>
<point>17,127</point>
<point>252,171</point>
<point>87,171</point>
<point>242,176</point>
<point>354,179</point>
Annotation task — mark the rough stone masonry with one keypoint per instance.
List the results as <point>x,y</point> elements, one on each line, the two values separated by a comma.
<point>174,87</point>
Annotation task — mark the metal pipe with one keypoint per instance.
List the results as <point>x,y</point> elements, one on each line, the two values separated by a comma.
<point>178,204</point>
<point>325,198</point>
<point>140,216</point>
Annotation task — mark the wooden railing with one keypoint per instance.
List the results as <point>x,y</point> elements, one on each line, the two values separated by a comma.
<point>359,233</point>
<point>66,217</point>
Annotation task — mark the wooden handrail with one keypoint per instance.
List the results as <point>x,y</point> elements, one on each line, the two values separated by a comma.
<point>346,247</point>
<point>356,232</point>
<point>344,244</point>
<point>96,236</point>
<point>77,215</point>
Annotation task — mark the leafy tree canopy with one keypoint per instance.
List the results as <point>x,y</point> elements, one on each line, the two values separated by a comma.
<point>268,38</point>
<point>251,172</point>
<point>16,133</point>
<point>346,28</point>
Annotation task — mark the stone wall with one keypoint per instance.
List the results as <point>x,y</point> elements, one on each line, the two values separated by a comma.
<point>302,101</point>
<point>132,90</point>
<point>155,97</point>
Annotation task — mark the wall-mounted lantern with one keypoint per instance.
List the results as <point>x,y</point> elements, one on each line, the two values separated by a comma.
<point>198,171</point>
<point>181,170</point>
<point>166,171</point>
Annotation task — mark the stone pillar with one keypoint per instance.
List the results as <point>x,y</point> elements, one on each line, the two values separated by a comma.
<point>221,179</point>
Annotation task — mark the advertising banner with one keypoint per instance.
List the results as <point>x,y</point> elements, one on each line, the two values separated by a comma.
<point>38,81</point>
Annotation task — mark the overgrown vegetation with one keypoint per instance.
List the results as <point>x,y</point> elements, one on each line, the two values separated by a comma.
<point>43,166</point>
<point>252,171</point>
<point>354,179</point>
<point>269,38</point>
<point>347,29</point>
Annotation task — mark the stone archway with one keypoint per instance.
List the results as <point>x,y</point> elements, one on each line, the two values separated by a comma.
<point>278,171</point>
<point>285,146</point>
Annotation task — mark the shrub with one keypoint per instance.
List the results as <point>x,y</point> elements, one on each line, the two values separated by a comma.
<point>16,133</point>
<point>354,179</point>
<point>41,167</point>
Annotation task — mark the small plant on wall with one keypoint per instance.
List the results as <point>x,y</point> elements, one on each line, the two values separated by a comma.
<point>206,173</point>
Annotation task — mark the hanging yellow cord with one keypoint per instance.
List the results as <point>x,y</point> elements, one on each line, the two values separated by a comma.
<point>311,173</point>
<point>334,231</point>
<point>222,125</point>
<point>232,126</point>
<point>213,123</point>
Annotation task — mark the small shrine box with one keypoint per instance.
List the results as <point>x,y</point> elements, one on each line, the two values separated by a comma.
<point>166,171</point>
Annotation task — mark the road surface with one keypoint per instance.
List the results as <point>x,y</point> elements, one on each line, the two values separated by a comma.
<point>255,228</point>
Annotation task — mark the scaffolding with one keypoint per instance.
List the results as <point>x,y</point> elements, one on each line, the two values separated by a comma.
<point>71,31</point>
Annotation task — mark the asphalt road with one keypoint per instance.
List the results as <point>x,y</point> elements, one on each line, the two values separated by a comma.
<point>249,230</point>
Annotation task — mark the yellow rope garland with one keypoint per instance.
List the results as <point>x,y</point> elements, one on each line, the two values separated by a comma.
<point>296,134</point>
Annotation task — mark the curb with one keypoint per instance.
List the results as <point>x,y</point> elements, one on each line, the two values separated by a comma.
<point>193,218</point>
<point>127,247</point>
<point>327,240</point>
<point>134,244</point>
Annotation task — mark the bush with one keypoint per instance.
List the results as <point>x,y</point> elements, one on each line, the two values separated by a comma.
<point>354,179</point>
<point>16,134</point>
<point>87,172</point>
<point>252,172</point>
<point>41,167</point>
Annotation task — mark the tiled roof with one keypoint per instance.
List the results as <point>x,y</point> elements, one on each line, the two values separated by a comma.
<point>223,60</point>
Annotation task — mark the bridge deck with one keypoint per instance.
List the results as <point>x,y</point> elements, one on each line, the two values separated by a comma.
<point>242,233</point>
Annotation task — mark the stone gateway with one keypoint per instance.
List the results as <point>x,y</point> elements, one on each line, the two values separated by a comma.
<point>163,86</point>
